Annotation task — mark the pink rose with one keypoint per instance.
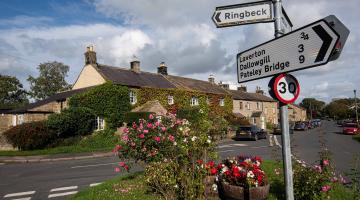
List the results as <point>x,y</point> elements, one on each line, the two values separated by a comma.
<point>326,162</point>
<point>125,138</point>
<point>157,123</point>
<point>134,125</point>
<point>325,188</point>
<point>171,138</point>
<point>146,131</point>
<point>117,148</point>
<point>163,129</point>
<point>151,116</point>
<point>117,169</point>
<point>121,164</point>
<point>126,130</point>
<point>318,168</point>
<point>149,125</point>
<point>141,136</point>
<point>157,139</point>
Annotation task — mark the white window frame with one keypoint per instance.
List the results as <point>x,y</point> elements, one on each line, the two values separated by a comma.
<point>20,119</point>
<point>133,98</point>
<point>99,123</point>
<point>14,120</point>
<point>222,102</point>
<point>248,105</point>
<point>194,101</point>
<point>170,100</point>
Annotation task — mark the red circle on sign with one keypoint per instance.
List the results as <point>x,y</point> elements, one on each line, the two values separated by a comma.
<point>278,96</point>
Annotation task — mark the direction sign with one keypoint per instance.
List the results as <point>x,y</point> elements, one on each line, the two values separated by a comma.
<point>306,47</point>
<point>284,88</point>
<point>240,14</point>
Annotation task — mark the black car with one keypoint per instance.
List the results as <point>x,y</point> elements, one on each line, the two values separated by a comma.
<point>251,132</point>
<point>277,129</point>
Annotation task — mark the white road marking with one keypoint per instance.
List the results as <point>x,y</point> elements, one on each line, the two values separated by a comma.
<point>64,188</point>
<point>277,142</point>
<point>224,146</point>
<point>26,198</point>
<point>259,147</point>
<point>270,140</point>
<point>225,151</point>
<point>62,194</point>
<point>19,194</point>
<point>81,166</point>
<point>94,184</point>
<point>240,145</point>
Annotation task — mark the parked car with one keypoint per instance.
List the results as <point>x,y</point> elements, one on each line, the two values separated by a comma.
<point>302,126</point>
<point>315,123</point>
<point>351,128</point>
<point>277,129</point>
<point>251,132</point>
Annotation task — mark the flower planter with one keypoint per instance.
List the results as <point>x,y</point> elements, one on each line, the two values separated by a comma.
<point>233,192</point>
<point>210,193</point>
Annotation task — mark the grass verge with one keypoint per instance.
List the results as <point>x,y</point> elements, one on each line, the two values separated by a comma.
<point>97,142</point>
<point>125,188</point>
<point>357,137</point>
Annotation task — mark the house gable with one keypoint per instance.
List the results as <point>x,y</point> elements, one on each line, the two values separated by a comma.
<point>88,77</point>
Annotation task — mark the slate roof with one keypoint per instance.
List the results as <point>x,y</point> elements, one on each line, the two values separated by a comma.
<point>129,78</point>
<point>56,97</point>
<point>240,95</point>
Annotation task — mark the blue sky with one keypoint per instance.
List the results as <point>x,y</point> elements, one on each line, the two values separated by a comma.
<point>178,32</point>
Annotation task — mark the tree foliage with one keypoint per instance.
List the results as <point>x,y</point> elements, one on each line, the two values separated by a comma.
<point>107,100</point>
<point>313,106</point>
<point>340,108</point>
<point>12,94</point>
<point>50,80</point>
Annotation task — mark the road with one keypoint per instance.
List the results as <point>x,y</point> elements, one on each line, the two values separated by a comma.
<point>58,180</point>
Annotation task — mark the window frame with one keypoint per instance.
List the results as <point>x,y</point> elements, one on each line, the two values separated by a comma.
<point>133,98</point>
<point>170,100</point>
<point>194,101</point>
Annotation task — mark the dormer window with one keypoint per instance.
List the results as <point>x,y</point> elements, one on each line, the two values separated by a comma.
<point>170,100</point>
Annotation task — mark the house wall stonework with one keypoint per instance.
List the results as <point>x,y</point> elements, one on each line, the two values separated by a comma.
<point>88,77</point>
<point>296,113</point>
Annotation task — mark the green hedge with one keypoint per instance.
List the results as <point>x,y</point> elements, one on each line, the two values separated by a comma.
<point>108,100</point>
<point>72,122</point>
<point>30,136</point>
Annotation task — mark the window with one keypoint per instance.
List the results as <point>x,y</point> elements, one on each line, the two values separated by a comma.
<point>241,106</point>
<point>133,99</point>
<point>258,105</point>
<point>248,105</point>
<point>170,100</point>
<point>222,102</point>
<point>14,120</point>
<point>20,119</point>
<point>99,123</point>
<point>194,101</point>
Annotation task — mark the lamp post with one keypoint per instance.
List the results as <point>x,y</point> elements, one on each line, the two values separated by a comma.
<point>356,113</point>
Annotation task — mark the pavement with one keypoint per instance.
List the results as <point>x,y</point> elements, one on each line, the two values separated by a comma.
<point>55,157</point>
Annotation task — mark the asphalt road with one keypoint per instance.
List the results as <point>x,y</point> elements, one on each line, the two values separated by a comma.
<point>58,180</point>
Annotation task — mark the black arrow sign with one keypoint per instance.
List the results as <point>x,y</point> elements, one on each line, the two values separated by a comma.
<point>326,38</point>
<point>217,17</point>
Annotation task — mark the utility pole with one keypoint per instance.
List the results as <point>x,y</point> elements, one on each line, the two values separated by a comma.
<point>284,117</point>
<point>357,118</point>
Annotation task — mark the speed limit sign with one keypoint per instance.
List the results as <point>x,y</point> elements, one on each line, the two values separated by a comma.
<point>284,88</point>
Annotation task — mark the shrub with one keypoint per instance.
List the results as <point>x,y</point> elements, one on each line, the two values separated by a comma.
<point>131,117</point>
<point>72,122</point>
<point>108,100</point>
<point>236,121</point>
<point>29,136</point>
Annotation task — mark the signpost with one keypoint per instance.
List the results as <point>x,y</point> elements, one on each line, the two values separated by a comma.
<point>310,46</point>
<point>240,14</point>
<point>305,47</point>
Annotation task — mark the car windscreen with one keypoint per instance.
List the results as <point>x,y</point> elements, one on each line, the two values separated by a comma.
<point>245,129</point>
<point>350,125</point>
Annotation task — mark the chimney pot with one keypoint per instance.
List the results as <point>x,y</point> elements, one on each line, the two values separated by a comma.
<point>90,55</point>
<point>162,69</point>
<point>242,88</point>
<point>135,64</point>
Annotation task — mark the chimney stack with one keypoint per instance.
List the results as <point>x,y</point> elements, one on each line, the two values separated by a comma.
<point>90,56</point>
<point>211,79</point>
<point>242,88</point>
<point>162,69</point>
<point>224,85</point>
<point>135,64</point>
<point>259,90</point>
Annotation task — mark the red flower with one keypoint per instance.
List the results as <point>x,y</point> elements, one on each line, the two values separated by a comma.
<point>117,148</point>
<point>157,138</point>
<point>211,163</point>
<point>122,164</point>
<point>213,171</point>
<point>171,138</point>
<point>141,136</point>
<point>151,116</point>
<point>199,162</point>
<point>146,131</point>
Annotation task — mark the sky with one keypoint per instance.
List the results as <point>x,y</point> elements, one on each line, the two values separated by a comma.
<point>177,32</point>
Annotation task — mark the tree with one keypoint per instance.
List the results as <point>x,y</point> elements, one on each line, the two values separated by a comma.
<point>12,94</point>
<point>312,106</point>
<point>340,108</point>
<point>50,81</point>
